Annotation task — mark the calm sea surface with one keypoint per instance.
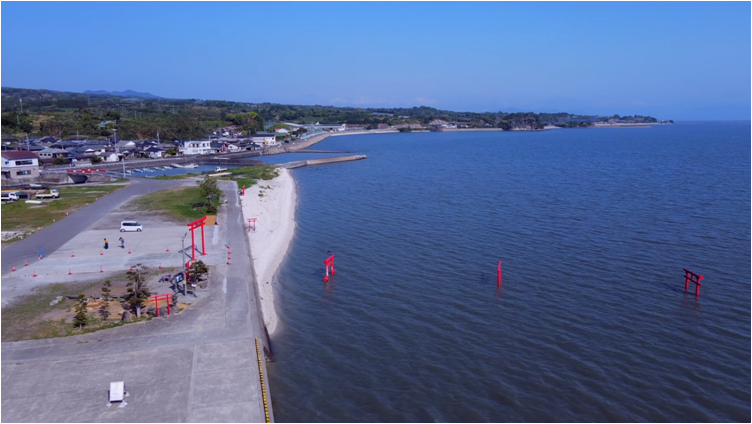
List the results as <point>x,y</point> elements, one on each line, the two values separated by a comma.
<point>592,323</point>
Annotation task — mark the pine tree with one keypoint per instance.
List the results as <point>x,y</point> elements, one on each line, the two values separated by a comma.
<point>197,270</point>
<point>138,292</point>
<point>104,310</point>
<point>81,318</point>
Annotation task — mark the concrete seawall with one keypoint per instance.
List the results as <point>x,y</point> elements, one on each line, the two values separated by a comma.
<point>323,161</point>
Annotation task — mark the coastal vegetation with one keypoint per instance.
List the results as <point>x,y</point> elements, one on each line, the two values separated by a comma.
<point>249,175</point>
<point>191,203</point>
<point>88,115</point>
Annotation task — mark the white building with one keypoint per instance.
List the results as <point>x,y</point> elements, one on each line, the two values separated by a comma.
<point>20,164</point>
<point>195,147</point>
<point>265,138</point>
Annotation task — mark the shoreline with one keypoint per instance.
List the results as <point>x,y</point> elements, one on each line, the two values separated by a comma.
<point>275,211</point>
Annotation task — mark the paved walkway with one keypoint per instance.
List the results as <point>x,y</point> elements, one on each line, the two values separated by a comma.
<point>198,366</point>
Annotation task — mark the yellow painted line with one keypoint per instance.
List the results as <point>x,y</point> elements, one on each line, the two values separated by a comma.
<point>263,385</point>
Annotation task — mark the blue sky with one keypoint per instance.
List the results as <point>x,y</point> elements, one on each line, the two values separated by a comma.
<point>672,60</point>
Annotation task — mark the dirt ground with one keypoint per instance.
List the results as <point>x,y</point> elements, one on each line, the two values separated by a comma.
<point>34,317</point>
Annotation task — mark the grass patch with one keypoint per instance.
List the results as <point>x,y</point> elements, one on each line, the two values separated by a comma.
<point>176,177</point>
<point>249,175</point>
<point>182,203</point>
<point>26,217</point>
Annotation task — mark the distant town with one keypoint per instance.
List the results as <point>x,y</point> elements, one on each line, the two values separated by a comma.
<point>44,129</point>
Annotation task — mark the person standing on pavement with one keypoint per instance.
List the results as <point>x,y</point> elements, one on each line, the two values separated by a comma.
<point>106,244</point>
<point>122,243</point>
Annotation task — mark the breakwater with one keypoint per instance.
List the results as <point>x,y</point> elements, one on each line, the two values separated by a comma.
<point>322,161</point>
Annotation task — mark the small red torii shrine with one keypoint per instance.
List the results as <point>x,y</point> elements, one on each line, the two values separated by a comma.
<point>192,226</point>
<point>157,297</point>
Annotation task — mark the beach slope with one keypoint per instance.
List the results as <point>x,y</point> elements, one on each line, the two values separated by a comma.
<point>273,204</point>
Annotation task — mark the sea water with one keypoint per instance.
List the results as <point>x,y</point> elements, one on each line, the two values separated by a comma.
<point>591,323</point>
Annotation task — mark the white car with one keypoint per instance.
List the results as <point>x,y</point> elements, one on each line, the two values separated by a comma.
<point>131,226</point>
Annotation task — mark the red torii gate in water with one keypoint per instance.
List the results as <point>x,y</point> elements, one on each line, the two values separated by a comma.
<point>329,263</point>
<point>192,226</point>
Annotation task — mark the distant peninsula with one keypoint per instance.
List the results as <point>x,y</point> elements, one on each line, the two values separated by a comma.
<point>126,93</point>
<point>138,116</point>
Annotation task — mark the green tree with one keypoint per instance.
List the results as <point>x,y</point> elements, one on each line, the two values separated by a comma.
<point>81,318</point>
<point>104,310</point>
<point>137,290</point>
<point>211,192</point>
<point>59,161</point>
<point>96,160</point>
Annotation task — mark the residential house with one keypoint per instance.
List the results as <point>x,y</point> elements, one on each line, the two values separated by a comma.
<point>202,147</point>
<point>220,147</point>
<point>109,155</point>
<point>50,154</point>
<point>265,139</point>
<point>155,152</point>
<point>19,164</point>
<point>49,140</point>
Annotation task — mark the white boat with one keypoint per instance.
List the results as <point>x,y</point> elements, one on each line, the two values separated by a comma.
<point>190,165</point>
<point>219,169</point>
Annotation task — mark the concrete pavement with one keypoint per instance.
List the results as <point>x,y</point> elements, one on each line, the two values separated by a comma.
<point>197,366</point>
<point>54,236</point>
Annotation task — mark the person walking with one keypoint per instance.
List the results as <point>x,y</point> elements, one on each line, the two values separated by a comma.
<point>122,243</point>
<point>106,244</point>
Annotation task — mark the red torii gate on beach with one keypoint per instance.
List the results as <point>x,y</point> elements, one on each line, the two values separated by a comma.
<point>192,226</point>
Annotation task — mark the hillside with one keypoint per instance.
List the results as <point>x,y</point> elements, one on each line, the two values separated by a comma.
<point>94,115</point>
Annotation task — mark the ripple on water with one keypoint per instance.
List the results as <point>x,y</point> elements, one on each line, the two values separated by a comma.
<point>591,322</point>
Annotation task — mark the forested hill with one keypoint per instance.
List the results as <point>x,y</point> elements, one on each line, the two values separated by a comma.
<point>65,114</point>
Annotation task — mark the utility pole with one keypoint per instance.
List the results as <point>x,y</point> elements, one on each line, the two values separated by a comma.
<point>117,150</point>
<point>21,100</point>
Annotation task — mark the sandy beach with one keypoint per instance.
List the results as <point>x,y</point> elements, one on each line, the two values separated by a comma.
<point>273,204</point>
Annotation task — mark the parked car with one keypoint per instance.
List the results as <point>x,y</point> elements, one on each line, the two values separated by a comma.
<point>131,226</point>
<point>9,197</point>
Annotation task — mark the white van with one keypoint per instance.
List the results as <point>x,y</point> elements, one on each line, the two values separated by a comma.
<point>130,226</point>
<point>9,197</point>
